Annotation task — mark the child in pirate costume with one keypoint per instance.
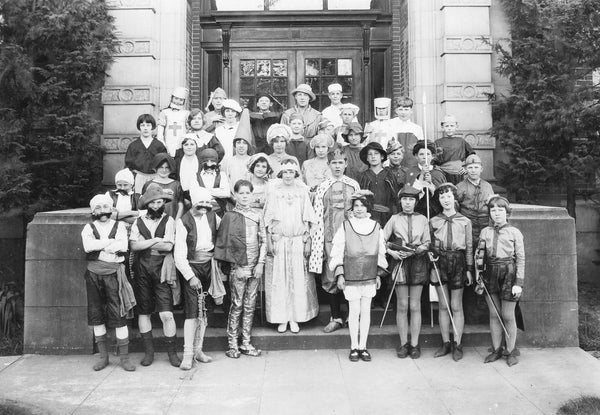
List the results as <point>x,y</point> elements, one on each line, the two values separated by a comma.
<point>125,200</point>
<point>502,252</point>
<point>472,194</point>
<point>358,261</point>
<point>141,152</point>
<point>452,248</point>
<point>195,236</point>
<point>109,294</point>
<point>407,240</point>
<point>164,165</point>
<point>172,121</point>
<point>241,241</point>
<point>209,176</point>
<point>153,236</point>
<point>332,205</point>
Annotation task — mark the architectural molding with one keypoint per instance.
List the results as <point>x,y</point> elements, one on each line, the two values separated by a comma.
<point>466,3</point>
<point>136,48</point>
<point>131,4</point>
<point>117,143</point>
<point>127,95</point>
<point>467,44</point>
<point>480,139</point>
<point>467,91</point>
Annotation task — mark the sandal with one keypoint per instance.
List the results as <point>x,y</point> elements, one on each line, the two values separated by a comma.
<point>250,351</point>
<point>354,355</point>
<point>233,353</point>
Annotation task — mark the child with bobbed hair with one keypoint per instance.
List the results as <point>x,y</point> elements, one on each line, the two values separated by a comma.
<point>501,256</point>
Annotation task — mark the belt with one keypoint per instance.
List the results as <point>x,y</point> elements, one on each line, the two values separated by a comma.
<point>494,261</point>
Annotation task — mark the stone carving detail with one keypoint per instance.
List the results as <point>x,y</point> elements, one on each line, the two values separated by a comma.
<point>480,139</point>
<point>467,92</point>
<point>135,47</point>
<point>117,144</point>
<point>130,4</point>
<point>467,44</point>
<point>126,95</point>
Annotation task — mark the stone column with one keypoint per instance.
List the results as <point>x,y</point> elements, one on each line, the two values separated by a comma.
<point>150,62</point>
<point>466,73</point>
<point>451,62</point>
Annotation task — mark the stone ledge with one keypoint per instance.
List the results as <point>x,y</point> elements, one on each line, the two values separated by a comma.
<point>131,4</point>
<point>466,3</point>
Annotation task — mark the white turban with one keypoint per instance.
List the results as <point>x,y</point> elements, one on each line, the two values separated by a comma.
<point>200,195</point>
<point>100,200</point>
<point>124,175</point>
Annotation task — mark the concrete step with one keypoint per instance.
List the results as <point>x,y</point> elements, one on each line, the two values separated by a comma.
<point>311,336</point>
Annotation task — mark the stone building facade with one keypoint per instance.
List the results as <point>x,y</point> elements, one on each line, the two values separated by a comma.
<point>437,51</point>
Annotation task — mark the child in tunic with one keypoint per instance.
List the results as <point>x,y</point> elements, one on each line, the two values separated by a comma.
<point>291,293</point>
<point>407,241</point>
<point>353,136</point>
<point>425,177</point>
<point>241,242</point>
<point>332,205</point>
<point>395,152</point>
<point>472,194</point>
<point>358,260</point>
<point>316,169</point>
<point>141,152</point>
<point>236,167</point>
<point>226,132</point>
<point>380,130</point>
<point>164,165</point>
<point>172,121</point>
<point>454,150</point>
<point>152,237</point>
<point>452,248</point>
<point>501,250</point>
<point>109,295</point>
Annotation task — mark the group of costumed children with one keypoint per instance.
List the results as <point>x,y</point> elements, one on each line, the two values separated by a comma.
<point>170,233</point>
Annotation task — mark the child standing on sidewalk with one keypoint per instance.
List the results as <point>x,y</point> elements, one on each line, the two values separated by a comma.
<point>358,261</point>
<point>502,250</point>
<point>109,295</point>
<point>407,241</point>
<point>241,241</point>
<point>452,243</point>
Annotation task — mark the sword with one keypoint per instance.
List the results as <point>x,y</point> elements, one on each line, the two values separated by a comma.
<point>387,305</point>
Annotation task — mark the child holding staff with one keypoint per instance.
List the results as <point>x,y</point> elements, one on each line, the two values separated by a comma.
<point>502,250</point>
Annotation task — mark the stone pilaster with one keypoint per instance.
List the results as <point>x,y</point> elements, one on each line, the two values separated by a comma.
<point>150,61</point>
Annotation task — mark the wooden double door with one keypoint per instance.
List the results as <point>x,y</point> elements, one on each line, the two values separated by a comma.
<point>277,72</point>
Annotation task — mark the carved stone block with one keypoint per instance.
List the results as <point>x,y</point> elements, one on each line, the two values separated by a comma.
<point>467,92</point>
<point>136,47</point>
<point>467,44</point>
<point>112,95</point>
<point>117,144</point>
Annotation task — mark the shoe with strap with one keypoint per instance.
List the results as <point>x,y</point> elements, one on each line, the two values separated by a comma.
<point>402,351</point>
<point>354,355</point>
<point>364,355</point>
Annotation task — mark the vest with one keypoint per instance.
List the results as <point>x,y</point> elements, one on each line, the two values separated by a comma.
<point>93,256</point>
<point>192,237</point>
<point>134,199</point>
<point>145,232</point>
<point>221,204</point>
<point>360,255</point>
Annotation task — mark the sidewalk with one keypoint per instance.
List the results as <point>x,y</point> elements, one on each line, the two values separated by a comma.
<point>305,382</point>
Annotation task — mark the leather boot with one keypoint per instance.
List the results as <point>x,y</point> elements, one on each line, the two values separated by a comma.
<point>457,351</point>
<point>511,359</point>
<point>495,355</point>
<point>102,353</point>
<point>123,345</point>
<point>172,351</point>
<point>148,349</point>
<point>443,351</point>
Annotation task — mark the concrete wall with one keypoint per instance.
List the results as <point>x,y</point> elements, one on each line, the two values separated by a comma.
<point>55,297</point>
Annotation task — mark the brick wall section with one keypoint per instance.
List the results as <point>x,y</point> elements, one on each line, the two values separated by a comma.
<point>194,53</point>
<point>399,48</point>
